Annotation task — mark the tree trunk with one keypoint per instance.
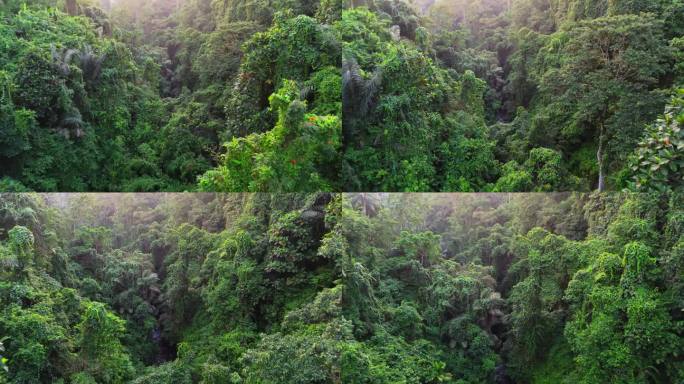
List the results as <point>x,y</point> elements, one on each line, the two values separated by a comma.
<point>599,157</point>
<point>72,7</point>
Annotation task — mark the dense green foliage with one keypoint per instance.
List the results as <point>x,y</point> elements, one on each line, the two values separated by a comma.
<point>151,95</point>
<point>658,162</point>
<point>323,288</point>
<point>337,95</point>
<point>62,126</point>
<point>524,288</point>
<point>520,95</point>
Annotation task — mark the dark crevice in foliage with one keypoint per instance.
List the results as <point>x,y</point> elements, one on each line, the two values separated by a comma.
<point>254,95</point>
<point>154,95</point>
<point>524,95</point>
<point>329,288</point>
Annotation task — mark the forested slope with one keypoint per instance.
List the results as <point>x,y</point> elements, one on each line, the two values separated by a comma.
<point>104,285</point>
<point>323,288</point>
<point>536,288</point>
<point>151,95</point>
<point>520,95</point>
<point>242,95</point>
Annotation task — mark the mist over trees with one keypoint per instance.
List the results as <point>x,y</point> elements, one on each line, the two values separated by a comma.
<point>330,288</point>
<point>322,96</point>
<point>153,95</point>
<point>337,95</point>
<point>521,95</point>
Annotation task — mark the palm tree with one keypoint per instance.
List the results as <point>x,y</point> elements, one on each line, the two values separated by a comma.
<point>90,63</point>
<point>62,58</point>
<point>358,94</point>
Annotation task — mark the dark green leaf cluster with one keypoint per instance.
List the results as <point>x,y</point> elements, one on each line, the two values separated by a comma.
<point>322,288</point>
<point>526,95</point>
<point>149,96</point>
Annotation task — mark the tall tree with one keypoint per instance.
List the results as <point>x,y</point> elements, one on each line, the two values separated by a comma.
<point>603,87</point>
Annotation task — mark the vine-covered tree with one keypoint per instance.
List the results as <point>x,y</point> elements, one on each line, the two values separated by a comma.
<point>326,288</point>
